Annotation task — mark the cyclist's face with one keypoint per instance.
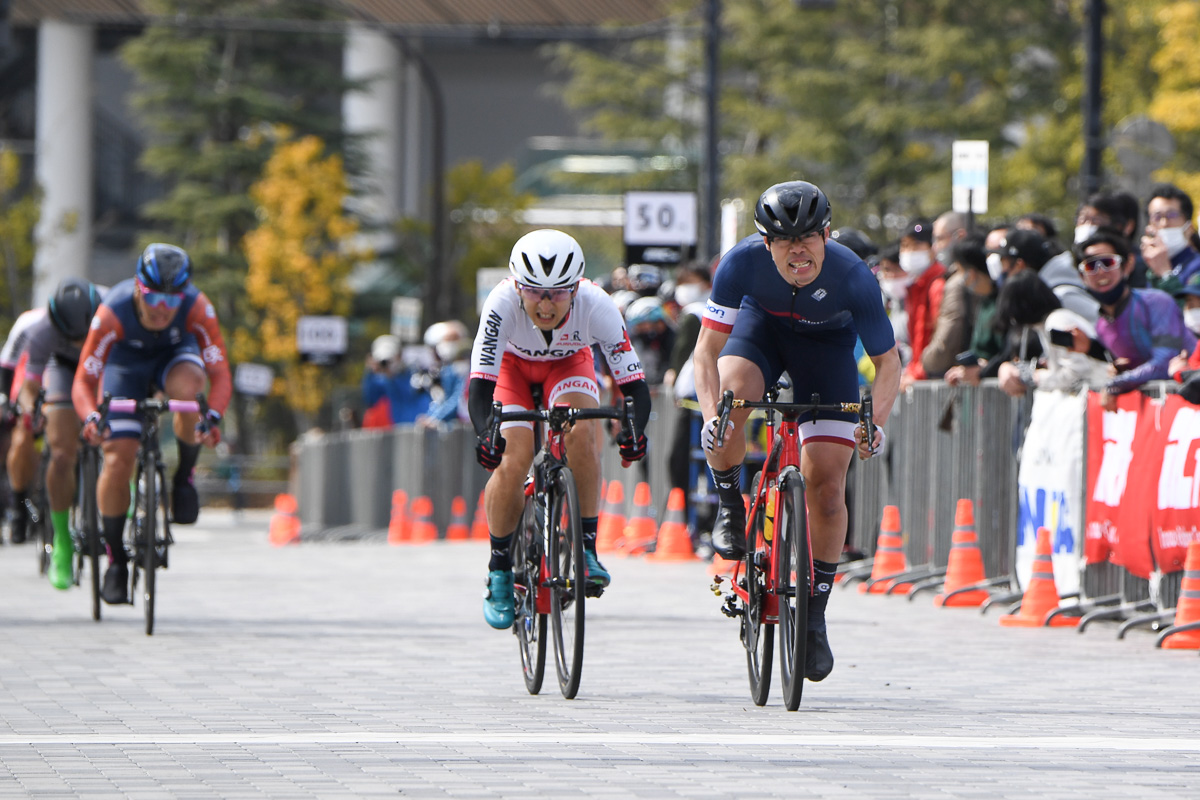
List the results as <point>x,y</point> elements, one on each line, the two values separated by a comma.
<point>154,318</point>
<point>546,307</point>
<point>799,260</point>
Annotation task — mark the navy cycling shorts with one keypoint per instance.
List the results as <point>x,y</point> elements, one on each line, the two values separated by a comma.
<point>818,362</point>
<point>128,374</point>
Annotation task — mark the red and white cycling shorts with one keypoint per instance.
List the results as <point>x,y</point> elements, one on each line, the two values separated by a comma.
<point>575,373</point>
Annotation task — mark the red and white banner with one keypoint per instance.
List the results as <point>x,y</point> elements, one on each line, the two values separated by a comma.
<point>1143,485</point>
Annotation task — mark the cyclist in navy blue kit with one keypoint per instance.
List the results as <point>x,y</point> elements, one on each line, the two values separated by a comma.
<point>788,298</point>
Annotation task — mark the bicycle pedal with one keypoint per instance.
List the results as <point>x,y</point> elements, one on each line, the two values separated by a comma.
<point>592,590</point>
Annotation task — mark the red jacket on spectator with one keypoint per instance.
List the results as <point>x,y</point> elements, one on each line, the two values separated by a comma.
<point>922,303</point>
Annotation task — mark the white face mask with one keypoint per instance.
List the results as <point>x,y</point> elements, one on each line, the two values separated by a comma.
<point>688,293</point>
<point>995,265</point>
<point>914,263</point>
<point>1084,232</point>
<point>1174,239</point>
<point>894,288</point>
<point>1191,318</point>
<point>447,351</point>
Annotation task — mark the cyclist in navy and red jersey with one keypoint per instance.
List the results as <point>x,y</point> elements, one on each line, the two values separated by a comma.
<point>155,331</point>
<point>790,299</point>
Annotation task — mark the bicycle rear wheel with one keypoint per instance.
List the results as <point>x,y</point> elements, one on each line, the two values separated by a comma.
<point>528,625</point>
<point>567,581</point>
<point>793,584</point>
<point>756,633</point>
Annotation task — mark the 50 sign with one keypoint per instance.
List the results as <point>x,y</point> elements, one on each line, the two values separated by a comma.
<point>660,218</point>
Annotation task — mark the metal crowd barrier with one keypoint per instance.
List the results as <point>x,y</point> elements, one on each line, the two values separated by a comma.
<point>943,444</point>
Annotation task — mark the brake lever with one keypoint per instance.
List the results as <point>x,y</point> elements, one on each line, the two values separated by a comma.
<point>724,409</point>
<point>867,412</point>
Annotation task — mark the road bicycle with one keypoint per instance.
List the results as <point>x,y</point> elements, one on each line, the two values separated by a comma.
<point>148,539</point>
<point>772,585</point>
<point>549,575</point>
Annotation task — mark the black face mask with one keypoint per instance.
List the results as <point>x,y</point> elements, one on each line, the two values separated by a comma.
<point>1109,296</point>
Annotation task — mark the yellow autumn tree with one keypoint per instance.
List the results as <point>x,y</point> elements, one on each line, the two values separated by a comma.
<point>1176,103</point>
<point>298,259</point>
<point>18,216</point>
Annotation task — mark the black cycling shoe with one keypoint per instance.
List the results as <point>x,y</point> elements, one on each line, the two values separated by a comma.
<point>729,532</point>
<point>20,520</point>
<point>818,658</point>
<point>116,584</point>
<point>185,503</point>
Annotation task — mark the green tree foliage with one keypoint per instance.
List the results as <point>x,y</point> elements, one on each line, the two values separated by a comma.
<point>299,257</point>
<point>18,216</point>
<point>483,211</point>
<point>1176,104</point>
<point>866,99</point>
<point>207,95</point>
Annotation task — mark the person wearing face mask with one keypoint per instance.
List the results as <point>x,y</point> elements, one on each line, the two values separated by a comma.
<point>1142,328</point>
<point>923,295</point>
<point>1185,362</point>
<point>448,399</point>
<point>1118,211</point>
<point>971,259</point>
<point>893,283</point>
<point>1022,249</point>
<point>952,330</point>
<point>1169,244</point>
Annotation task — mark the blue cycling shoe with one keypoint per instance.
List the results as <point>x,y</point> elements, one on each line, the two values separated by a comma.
<point>596,573</point>
<point>498,599</point>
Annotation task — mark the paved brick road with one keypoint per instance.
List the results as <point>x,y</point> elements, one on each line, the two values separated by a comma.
<point>361,670</point>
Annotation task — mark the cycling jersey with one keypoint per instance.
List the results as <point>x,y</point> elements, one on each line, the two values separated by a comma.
<point>504,327</point>
<point>844,296</point>
<point>117,339</point>
<point>35,335</point>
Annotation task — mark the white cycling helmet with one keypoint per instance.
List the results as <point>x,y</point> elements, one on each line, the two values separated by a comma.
<point>548,259</point>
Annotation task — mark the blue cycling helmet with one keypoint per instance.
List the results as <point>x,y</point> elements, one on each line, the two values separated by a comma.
<point>71,307</point>
<point>645,309</point>
<point>164,268</point>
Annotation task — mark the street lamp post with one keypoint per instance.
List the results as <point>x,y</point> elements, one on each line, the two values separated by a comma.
<point>1092,99</point>
<point>712,166</point>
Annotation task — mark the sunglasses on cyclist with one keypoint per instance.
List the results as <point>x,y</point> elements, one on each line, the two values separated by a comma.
<point>157,299</point>
<point>538,293</point>
<point>1102,263</point>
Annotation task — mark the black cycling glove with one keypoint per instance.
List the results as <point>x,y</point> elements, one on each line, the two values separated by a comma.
<point>488,453</point>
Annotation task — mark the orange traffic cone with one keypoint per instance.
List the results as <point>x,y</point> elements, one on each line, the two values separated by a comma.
<point>965,566</point>
<point>674,543</point>
<point>285,525</point>
<point>889,555</point>
<point>1041,596</point>
<point>721,565</point>
<point>423,529</point>
<point>457,530</point>
<point>639,529</point>
<point>611,526</point>
<point>479,527</point>
<point>399,530</point>
<point>1187,610</point>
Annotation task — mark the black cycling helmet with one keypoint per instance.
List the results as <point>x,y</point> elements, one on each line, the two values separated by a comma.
<point>71,307</point>
<point>164,268</point>
<point>791,210</point>
<point>856,240</point>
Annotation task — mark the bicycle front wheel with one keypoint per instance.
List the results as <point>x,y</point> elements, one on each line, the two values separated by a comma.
<point>756,633</point>
<point>89,521</point>
<point>793,584</point>
<point>529,625</point>
<point>567,581</point>
<point>146,536</point>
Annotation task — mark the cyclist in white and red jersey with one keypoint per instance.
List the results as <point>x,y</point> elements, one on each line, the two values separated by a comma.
<point>47,339</point>
<point>537,327</point>
<point>153,331</point>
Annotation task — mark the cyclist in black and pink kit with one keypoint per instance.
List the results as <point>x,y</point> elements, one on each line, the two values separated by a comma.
<point>48,339</point>
<point>154,331</point>
<point>787,298</point>
<point>538,327</point>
